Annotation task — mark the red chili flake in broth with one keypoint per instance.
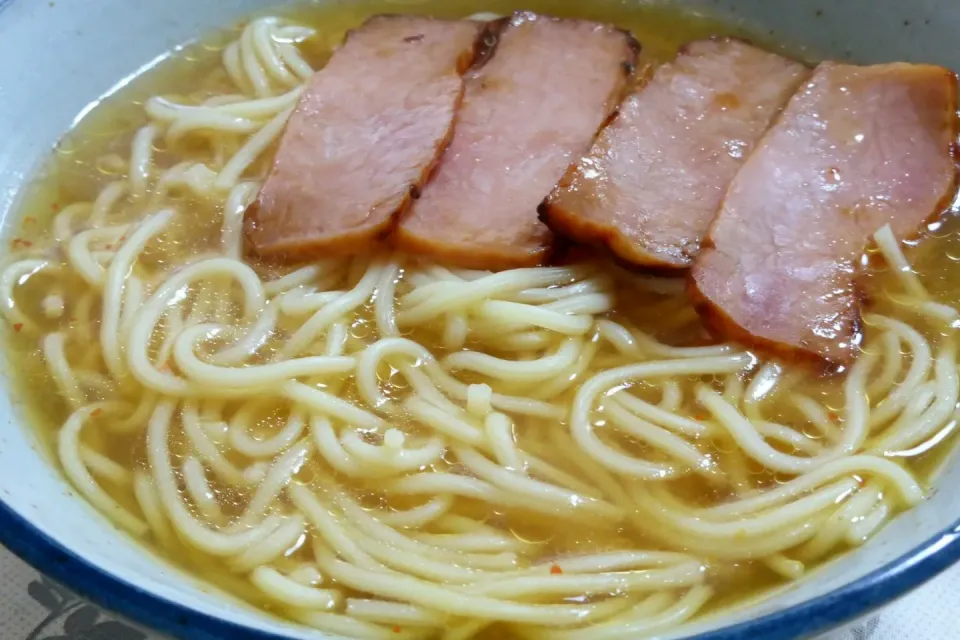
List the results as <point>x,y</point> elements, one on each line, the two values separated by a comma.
<point>96,412</point>
<point>397,629</point>
<point>26,243</point>
<point>700,416</point>
<point>55,206</point>
<point>18,326</point>
<point>555,569</point>
<point>833,416</point>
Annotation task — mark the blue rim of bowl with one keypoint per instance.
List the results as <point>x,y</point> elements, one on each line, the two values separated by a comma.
<point>816,615</point>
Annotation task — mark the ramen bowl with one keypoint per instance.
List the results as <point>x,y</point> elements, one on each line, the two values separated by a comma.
<point>61,57</point>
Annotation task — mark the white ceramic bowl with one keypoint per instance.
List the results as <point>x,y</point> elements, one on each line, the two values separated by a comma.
<point>58,57</point>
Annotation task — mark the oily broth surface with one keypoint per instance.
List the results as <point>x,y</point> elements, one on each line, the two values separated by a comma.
<point>77,169</point>
<point>81,166</point>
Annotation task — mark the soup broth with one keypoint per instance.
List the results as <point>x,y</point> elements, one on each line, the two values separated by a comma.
<point>383,447</point>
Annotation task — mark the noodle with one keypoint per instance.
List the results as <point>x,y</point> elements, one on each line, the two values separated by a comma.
<point>386,448</point>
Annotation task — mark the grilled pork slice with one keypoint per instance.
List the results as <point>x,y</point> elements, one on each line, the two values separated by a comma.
<point>655,177</point>
<point>856,148</point>
<point>365,135</point>
<point>528,113</point>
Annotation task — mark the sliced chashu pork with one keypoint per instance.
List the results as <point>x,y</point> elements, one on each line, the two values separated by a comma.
<point>527,114</point>
<point>855,149</point>
<point>364,137</point>
<point>655,177</point>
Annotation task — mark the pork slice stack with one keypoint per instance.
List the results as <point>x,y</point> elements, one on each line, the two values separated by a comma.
<point>653,181</point>
<point>364,137</point>
<point>857,148</point>
<point>768,179</point>
<point>533,109</point>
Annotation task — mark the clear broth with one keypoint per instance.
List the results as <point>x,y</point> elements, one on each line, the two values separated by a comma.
<point>75,172</point>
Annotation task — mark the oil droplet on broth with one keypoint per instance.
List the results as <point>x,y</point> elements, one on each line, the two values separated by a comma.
<point>385,372</point>
<point>360,330</point>
<point>782,478</point>
<point>526,535</point>
<point>111,165</point>
<point>809,430</point>
<point>722,444</point>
